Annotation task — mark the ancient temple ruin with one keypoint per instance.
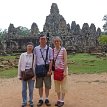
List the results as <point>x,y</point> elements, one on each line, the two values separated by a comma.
<point>74,38</point>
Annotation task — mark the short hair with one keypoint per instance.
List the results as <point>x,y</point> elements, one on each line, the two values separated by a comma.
<point>42,36</point>
<point>58,38</point>
<point>30,43</point>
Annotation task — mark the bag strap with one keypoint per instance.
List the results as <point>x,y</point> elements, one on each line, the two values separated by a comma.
<point>56,55</point>
<point>32,61</point>
<point>46,55</point>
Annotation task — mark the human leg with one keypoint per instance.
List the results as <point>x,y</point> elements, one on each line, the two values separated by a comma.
<point>24,93</point>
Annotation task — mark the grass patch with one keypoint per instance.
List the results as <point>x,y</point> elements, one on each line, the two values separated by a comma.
<point>78,63</point>
<point>8,73</point>
<point>7,57</point>
<point>86,63</point>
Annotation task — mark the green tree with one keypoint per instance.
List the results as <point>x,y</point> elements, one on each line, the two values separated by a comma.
<point>23,31</point>
<point>0,32</point>
<point>3,33</point>
<point>103,40</point>
<point>105,25</point>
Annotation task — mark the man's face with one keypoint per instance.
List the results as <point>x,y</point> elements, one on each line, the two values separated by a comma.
<point>43,40</point>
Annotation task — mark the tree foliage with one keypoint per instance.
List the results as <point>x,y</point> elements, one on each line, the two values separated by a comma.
<point>2,33</point>
<point>105,25</point>
<point>22,31</point>
<point>103,40</point>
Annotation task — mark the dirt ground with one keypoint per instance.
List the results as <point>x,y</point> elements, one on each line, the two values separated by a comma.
<point>85,90</point>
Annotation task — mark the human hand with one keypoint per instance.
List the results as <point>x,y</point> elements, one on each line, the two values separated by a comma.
<point>49,73</point>
<point>34,78</point>
<point>20,78</point>
<point>65,74</point>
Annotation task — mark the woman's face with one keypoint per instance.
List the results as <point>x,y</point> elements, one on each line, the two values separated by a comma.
<point>57,42</point>
<point>30,48</point>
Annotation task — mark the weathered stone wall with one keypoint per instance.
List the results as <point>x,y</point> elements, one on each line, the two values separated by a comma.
<point>74,38</point>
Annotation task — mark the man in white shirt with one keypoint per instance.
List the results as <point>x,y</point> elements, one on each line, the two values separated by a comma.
<point>42,51</point>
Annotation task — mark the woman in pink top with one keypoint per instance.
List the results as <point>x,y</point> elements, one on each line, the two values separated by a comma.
<point>60,58</point>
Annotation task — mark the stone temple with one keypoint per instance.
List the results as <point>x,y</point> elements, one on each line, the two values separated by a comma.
<point>74,38</point>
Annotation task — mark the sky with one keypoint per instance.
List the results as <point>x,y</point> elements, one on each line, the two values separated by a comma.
<point>25,12</point>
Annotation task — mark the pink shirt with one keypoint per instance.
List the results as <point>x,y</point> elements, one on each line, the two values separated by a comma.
<point>59,63</point>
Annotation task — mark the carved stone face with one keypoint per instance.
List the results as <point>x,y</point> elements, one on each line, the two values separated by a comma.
<point>54,9</point>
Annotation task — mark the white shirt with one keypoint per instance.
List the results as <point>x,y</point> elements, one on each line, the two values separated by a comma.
<point>39,58</point>
<point>25,62</point>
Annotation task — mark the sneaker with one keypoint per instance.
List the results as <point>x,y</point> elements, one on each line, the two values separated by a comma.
<point>47,102</point>
<point>40,103</point>
<point>60,104</point>
<point>30,103</point>
<point>57,103</point>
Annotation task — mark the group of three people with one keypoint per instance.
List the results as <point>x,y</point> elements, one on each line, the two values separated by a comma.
<point>59,55</point>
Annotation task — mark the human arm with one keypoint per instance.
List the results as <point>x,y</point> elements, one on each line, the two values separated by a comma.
<point>65,63</point>
<point>34,65</point>
<point>51,61</point>
<point>19,67</point>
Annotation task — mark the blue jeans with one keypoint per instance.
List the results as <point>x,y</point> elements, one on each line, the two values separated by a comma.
<point>24,91</point>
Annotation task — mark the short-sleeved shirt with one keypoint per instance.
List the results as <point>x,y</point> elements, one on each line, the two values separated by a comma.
<point>39,59</point>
